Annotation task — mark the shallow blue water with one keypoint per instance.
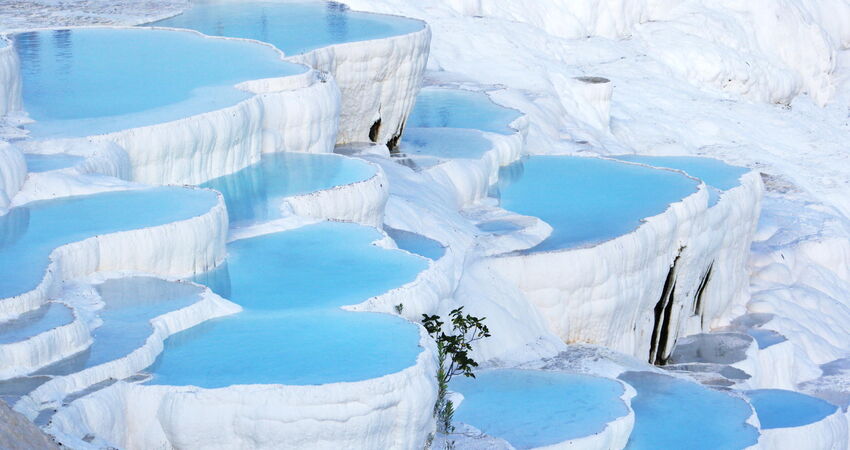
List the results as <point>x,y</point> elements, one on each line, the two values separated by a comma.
<point>458,108</point>
<point>443,143</point>
<point>778,408</point>
<point>292,331</point>
<point>292,27</point>
<point>588,200</point>
<point>35,322</point>
<point>675,414</point>
<point>83,82</point>
<point>766,338</point>
<point>715,173</point>
<point>44,163</point>
<point>129,305</point>
<point>416,243</point>
<point>531,408</point>
<point>29,233</point>
<point>255,193</point>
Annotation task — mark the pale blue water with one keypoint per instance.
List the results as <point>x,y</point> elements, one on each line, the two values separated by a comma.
<point>255,193</point>
<point>778,408</point>
<point>674,414</point>
<point>766,338</point>
<point>443,143</point>
<point>715,173</point>
<point>292,331</point>
<point>458,108</point>
<point>129,305</point>
<point>32,323</point>
<point>588,200</point>
<point>84,82</point>
<point>44,163</point>
<point>292,27</point>
<point>416,243</point>
<point>29,233</point>
<point>531,408</point>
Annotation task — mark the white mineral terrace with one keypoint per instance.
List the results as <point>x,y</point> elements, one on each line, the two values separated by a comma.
<point>221,223</point>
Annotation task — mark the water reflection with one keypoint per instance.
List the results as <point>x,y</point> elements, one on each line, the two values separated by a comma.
<point>337,20</point>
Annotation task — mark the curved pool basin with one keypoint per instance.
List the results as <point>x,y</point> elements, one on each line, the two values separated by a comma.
<point>588,200</point>
<point>777,408</point>
<point>530,408</point>
<point>292,330</point>
<point>293,27</point>
<point>89,81</point>
<point>129,305</point>
<point>431,145</point>
<point>718,175</point>
<point>255,194</point>
<point>671,413</point>
<point>459,108</point>
<point>28,234</point>
<point>49,316</point>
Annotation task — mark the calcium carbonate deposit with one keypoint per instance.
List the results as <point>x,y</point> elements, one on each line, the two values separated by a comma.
<point>276,224</point>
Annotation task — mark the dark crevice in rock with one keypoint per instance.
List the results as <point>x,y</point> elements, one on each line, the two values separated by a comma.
<point>392,144</point>
<point>698,302</point>
<point>663,316</point>
<point>375,131</point>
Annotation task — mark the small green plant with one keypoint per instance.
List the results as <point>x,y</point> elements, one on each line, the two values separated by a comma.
<point>453,358</point>
<point>399,308</point>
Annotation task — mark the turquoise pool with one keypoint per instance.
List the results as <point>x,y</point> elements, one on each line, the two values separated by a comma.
<point>292,330</point>
<point>293,27</point>
<point>255,194</point>
<point>530,408</point>
<point>129,305</point>
<point>458,108</point>
<point>718,175</point>
<point>778,408</point>
<point>32,323</point>
<point>29,233</point>
<point>588,200</point>
<point>671,413</point>
<point>429,146</point>
<point>88,81</point>
<point>44,163</point>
